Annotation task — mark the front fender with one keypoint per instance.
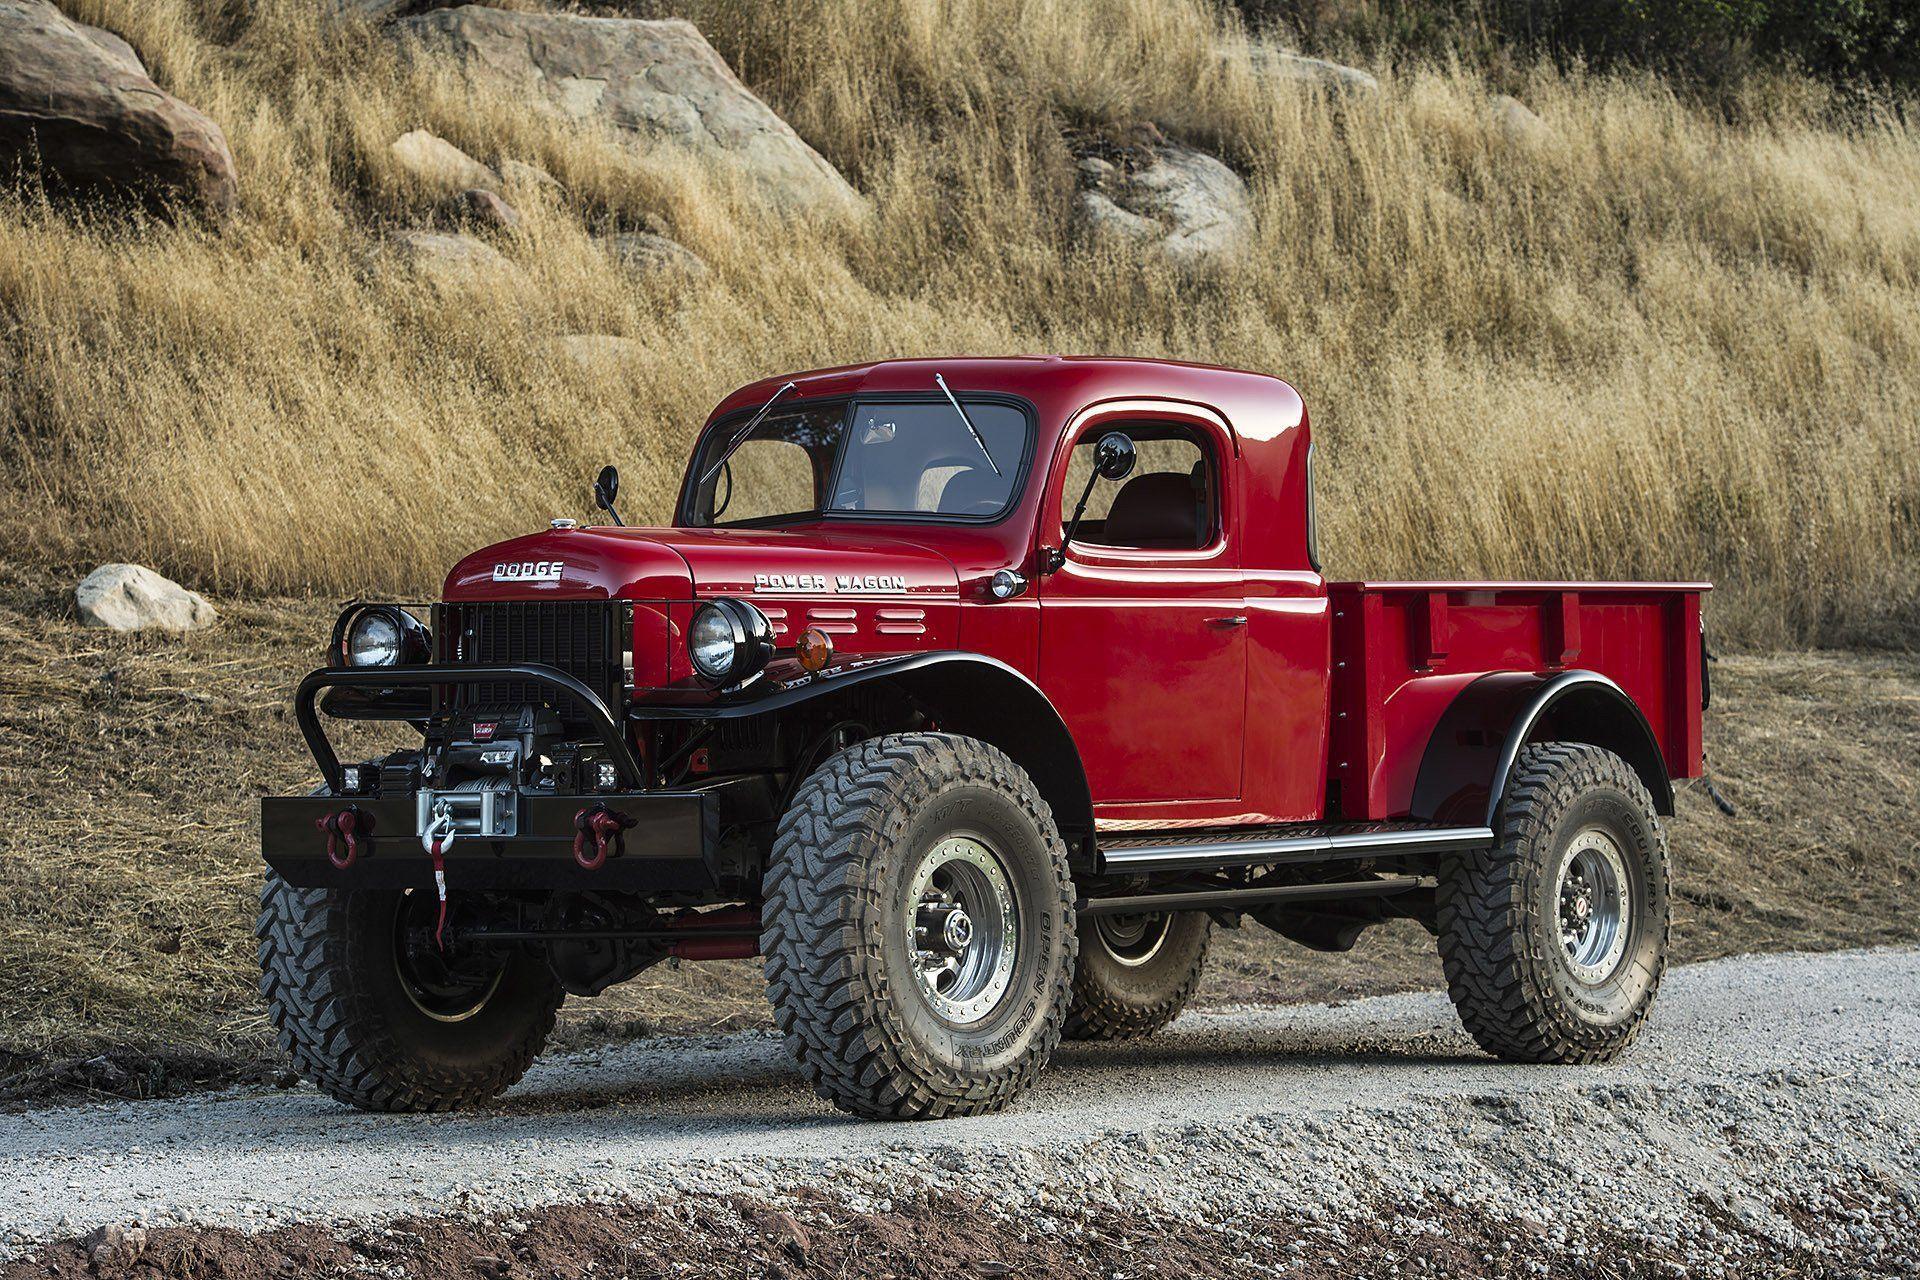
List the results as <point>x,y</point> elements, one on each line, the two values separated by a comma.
<point>964,693</point>
<point>1470,758</point>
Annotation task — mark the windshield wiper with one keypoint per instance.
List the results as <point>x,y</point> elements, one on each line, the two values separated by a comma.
<point>971,429</point>
<point>740,436</point>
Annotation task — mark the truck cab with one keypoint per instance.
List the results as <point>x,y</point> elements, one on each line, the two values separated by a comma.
<point>971,694</point>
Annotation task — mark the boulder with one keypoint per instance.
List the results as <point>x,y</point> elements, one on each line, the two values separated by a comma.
<point>1516,124</point>
<point>644,253</point>
<point>655,82</point>
<point>130,597</point>
<point>485,209</point>
<point>114,1246</point>
<point>518,173</point>
<point>444,257</point>
<point>77,101</point>
<point>437,164</point>
<point>1183,203</point>
<point>1105,220</point>
<point>1283,67</point>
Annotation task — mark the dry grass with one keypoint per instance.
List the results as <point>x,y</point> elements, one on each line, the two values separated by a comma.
<point>1662,344</point>
<point>129,868</point>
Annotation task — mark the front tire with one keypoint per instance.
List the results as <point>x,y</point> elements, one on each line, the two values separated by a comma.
<point>372,1014</point>
<point>917,928</point>
<point>1555,941</point>
<point>1136,973</point>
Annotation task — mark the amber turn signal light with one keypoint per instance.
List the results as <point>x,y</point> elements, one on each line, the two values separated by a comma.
<point>814,650</point>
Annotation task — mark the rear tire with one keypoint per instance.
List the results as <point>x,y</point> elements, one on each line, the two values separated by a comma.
<point>380,1024</point>
<point>1136,973</point>
<point>1555,941</point>
<point>917,926</point>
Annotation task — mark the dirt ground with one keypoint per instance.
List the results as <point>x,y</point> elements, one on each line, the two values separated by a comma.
<point>130,768</point>
<point>945,1235</point>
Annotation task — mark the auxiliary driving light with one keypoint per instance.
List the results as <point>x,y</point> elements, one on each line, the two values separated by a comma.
<point>815,649</point>
<point>605,776</point>
<point>729,641</point>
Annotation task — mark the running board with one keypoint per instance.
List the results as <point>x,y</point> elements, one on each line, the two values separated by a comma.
<point>1140,854</point>
<point>1241,899</point>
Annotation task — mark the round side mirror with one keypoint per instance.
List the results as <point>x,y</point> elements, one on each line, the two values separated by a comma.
<point>1113,457</point>
<point>606,488</point>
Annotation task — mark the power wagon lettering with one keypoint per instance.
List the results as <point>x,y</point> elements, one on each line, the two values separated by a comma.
<point>821,582</point>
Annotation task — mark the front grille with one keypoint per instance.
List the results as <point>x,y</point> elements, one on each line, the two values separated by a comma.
<point>587,639</point>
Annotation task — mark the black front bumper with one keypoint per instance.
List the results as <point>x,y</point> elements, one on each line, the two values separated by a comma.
<point>672,846</point>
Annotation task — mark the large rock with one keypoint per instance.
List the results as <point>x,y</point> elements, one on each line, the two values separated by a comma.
<point>645,254</point>
<point>1183,203</point>
<point>76,100</point>
<point>1283,67</point>
<point>485,209</point>
<point>437,164</point>
<point>130,597</point>
<point>1516,123</point>
<point>658,82</point>
<point>445,257</point>
<point>519,173</point>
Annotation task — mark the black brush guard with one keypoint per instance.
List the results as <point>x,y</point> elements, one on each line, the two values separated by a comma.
<point>671,842</point>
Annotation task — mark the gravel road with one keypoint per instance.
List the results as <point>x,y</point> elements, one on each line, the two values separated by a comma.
<point>1767,1089</point>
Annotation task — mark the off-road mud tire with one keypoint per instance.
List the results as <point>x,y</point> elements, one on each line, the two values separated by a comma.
<point>843,992</point>
<point>1507,970</point>
<point>335,995</point>
<point>1117,1001</point>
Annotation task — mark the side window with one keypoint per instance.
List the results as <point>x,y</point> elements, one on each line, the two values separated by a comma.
<point>1169,503</point>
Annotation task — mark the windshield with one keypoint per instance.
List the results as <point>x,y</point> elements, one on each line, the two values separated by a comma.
<point>874,457</point>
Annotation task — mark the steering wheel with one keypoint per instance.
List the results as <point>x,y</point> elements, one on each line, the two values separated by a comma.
<point>720,505</point>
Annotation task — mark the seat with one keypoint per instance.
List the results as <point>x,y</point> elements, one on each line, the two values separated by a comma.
<point>1161,510</point>
<point>973,492</point>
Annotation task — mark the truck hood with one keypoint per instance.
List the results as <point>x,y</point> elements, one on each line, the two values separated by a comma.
<point>603,563</point>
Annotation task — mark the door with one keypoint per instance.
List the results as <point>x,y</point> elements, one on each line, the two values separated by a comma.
<point>1143,626</point>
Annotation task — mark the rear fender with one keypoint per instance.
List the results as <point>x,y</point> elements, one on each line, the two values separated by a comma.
<point>964,693</point>
<point>1471,756</point>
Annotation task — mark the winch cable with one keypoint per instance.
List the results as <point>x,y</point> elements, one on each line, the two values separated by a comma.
<point>436,840</point>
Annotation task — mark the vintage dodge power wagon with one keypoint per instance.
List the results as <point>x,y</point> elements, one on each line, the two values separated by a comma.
<point>970,695</point>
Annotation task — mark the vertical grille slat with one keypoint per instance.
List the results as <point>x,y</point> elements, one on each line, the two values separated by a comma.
<point>580,637</point>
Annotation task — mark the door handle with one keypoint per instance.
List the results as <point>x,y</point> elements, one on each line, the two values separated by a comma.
<point>1229,620</point>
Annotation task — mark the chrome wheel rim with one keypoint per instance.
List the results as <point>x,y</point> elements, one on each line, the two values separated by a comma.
<point>1133,940</point>
<point>1593,900</point>
<point>961,929</point>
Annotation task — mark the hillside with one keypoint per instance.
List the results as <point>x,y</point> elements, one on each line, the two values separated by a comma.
<point>1635,334</point>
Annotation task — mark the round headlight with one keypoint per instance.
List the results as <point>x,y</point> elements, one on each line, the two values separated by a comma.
<point>729,641</point>
<point>375,640</point>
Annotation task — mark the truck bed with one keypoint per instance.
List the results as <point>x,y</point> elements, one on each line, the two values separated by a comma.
<point>1403,650</point>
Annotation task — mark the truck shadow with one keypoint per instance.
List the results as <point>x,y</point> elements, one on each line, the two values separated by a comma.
<point>756,1070</point>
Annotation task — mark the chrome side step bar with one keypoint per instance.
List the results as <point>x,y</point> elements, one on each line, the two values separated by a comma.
<point>1242,899</point>
<point>1134,855</point>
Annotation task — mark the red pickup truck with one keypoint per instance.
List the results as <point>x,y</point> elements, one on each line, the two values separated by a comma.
<point>970,694</point>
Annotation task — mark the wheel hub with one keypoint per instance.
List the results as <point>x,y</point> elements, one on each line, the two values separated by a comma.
<point>961,929</point>
<point>1133,940</point>
<point>1593,905</point>
<point>448,985</point>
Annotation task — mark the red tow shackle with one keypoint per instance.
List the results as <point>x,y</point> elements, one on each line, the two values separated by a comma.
<point>348,825</point>
<point>601,826</point>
